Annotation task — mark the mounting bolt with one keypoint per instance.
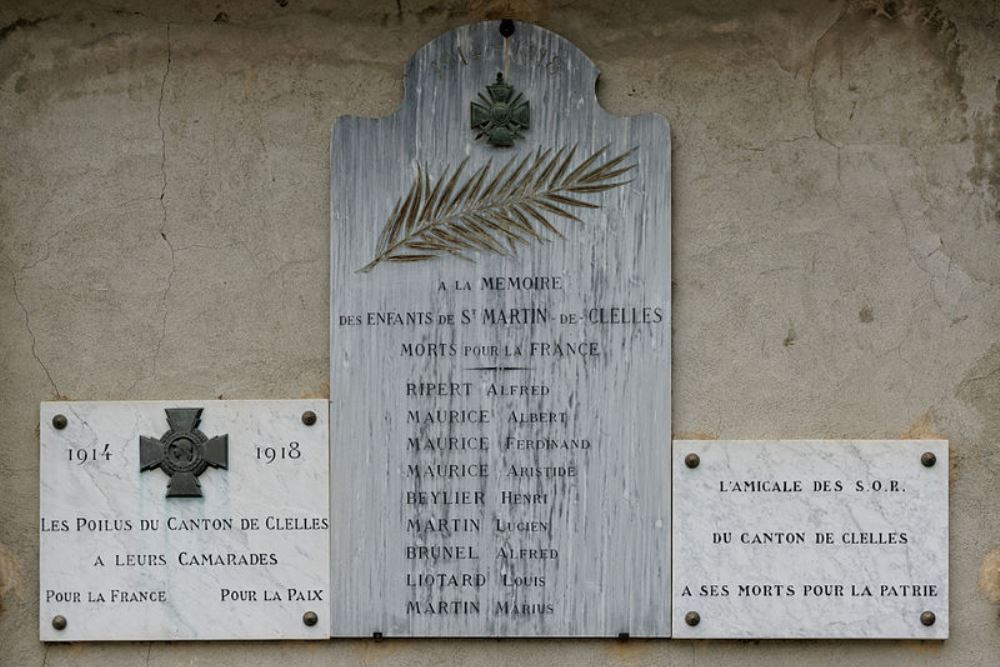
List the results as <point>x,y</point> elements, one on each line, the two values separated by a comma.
<point>308,417</point>
<point>59,422</point>
<point>928,459</point>
<point>928,618</point>
<point>59,622</point>
<point>310,618</point>
<point>692,618</point>
<point>692,460</point>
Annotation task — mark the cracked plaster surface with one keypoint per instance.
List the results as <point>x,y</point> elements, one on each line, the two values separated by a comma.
<point>163,226</point>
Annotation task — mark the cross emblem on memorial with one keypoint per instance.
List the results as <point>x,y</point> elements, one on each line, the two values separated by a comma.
<point>183,452</point>
<point>502,116</point>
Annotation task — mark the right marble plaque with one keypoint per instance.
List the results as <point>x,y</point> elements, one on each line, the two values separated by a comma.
<point>810,538</point>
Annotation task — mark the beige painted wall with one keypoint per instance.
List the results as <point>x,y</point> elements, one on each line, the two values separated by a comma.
<point>163,233</point>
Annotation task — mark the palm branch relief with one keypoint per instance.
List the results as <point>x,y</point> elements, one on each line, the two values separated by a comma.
<point>519,204</point>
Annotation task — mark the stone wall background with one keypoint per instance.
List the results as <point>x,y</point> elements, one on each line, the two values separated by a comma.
<point>164,232</point>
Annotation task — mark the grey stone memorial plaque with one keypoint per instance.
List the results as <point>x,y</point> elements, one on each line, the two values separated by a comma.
<point>500,351</point>
<point>811,538</point>
<point>184,520</point>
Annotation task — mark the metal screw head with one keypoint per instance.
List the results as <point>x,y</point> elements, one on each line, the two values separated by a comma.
<point>308,417</point>
<point>928,618</point>
<point>59,622</point>
<point>60,422</point>
<point>928,459</point>
<point>692,460</point>
<point>310,618</point>
<point>692,618</point>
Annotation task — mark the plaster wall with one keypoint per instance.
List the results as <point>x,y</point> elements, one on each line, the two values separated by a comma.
<point>164,233</point>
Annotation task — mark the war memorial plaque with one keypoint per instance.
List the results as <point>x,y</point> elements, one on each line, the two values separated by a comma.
<point>500,351</point>
<point>184,520</point>
<point>811,538</point>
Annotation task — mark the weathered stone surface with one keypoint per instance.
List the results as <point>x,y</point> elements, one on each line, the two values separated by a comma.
<point>876,261</point>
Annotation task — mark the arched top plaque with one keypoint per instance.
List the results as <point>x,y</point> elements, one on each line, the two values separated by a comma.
<point>500,351</point>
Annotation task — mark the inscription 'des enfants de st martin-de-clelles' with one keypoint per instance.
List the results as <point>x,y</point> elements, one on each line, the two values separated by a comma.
<point>490,444</point>
<point>500,352</point>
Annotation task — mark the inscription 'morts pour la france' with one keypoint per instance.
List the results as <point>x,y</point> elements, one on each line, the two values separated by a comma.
<point>500,352</point>
<point>183,452</point>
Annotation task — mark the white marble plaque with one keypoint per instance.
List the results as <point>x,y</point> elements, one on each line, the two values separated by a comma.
<point>500,352</point>
<point>811,538</point>
<point>184,520</point>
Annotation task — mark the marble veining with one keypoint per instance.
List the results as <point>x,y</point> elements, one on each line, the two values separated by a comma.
<point>119,560</point>
<point>810,538</point>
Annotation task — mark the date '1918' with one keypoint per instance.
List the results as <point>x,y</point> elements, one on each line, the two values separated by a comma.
<point>283,453</point>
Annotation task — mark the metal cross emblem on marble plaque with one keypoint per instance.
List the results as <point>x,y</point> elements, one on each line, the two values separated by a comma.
<point>502,116</point>
<point>183,452</point>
